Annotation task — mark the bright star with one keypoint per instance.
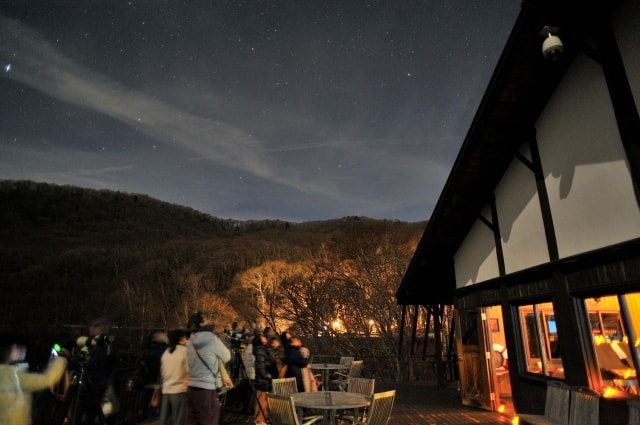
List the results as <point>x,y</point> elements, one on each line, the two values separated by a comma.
<point>7,67</point>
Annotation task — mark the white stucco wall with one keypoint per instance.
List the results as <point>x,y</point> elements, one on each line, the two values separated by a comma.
<point>476,260</point>
<point>626,25</point>
<point>521,228</point>
<point>587,176</point>
<point>584,163</point>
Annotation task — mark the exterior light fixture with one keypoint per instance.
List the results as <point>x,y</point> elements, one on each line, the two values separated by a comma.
<point>552,46</point>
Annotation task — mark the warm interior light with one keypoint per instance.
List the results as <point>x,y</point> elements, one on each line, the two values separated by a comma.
<point>611,392</point>
<point>502,408</point>
<point>515,420</point>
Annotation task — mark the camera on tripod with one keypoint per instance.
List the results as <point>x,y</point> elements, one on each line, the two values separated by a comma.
<point>86,344</point>
<point>235,336</point>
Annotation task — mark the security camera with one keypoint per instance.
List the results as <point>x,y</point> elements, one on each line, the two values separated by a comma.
<point>552,48</point>
<point>552,45</point>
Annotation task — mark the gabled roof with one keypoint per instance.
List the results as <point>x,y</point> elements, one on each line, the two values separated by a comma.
<point>520,86</point>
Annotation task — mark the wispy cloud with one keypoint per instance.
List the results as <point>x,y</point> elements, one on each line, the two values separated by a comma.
<point>35,62</point>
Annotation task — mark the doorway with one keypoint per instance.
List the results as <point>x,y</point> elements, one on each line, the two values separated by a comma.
<point>483,359</point>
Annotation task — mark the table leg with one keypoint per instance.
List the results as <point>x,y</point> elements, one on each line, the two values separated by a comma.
<point>325,380</point>
<point>331,417</point>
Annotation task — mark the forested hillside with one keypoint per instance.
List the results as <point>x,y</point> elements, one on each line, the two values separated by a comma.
<point>69,254</point>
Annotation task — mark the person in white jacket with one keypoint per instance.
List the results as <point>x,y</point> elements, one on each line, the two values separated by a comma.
<point>175,372</point>
<point>204,352</point>
<point>17,384</point>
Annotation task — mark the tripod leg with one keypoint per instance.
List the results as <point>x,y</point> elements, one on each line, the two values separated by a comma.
<point>243,372</point>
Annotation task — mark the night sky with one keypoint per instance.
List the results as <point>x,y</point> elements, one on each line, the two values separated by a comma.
<point>295,110</point>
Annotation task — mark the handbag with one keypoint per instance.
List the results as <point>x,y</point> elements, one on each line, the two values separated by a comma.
<point>227,382</point>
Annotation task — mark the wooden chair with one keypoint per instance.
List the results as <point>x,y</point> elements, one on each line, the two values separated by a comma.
<point>354,372</point>
<point>585,407</point>
<point>345,360</point>
<point>334,378</point>
<point>364,386</point>
<point>282,411</point>
<point>634,412</point>
<point>284,386</point>
<point>379,409</point>
<point>556,407</point>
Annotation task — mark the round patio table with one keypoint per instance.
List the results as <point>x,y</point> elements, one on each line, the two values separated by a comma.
<point>329,402</point>
<point>326,368</point>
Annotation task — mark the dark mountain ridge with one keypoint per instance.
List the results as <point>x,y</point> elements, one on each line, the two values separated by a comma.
<point>75,253</point>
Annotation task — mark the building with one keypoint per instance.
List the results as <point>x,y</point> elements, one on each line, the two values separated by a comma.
<point>536,235</point>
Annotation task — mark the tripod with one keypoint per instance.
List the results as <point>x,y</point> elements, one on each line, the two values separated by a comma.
<point>239,373</point>
<point>80,403</point>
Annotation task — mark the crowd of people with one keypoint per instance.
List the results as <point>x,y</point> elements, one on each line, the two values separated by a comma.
<point>184,373</point>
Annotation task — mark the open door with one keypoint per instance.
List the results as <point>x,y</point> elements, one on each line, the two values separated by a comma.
<point>499,359</point>
<point>475,386</point>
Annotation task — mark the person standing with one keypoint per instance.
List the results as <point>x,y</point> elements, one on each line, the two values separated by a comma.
<point>276,352</point>
<point>204,352</point>
<point>174,372</point>
<point>296,362</point>
<point>265,370</point>
<point>152,352</point>
<point>16,384</point>
<point>101,367</point>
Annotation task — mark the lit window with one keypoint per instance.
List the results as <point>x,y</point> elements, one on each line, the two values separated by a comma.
<point>614,329</point>
<point>542,346</point>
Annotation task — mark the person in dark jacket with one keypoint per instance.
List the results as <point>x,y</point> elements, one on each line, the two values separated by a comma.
<point>266,370</point>
<point>296,362</point>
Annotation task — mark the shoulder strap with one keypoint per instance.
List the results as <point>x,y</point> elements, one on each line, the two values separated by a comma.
<point>205,363</point>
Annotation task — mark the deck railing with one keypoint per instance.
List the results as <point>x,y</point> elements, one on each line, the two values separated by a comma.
<point>410,368</point>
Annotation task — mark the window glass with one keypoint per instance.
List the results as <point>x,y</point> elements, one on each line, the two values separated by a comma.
<point>542,345</point>
<point>614,329</point>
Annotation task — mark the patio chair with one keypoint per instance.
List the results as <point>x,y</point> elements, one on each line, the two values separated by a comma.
<point>354,372</point>
<point>379,409</point>
<point>556,407</point>
<point>346,360</point>
<point>634,412</point>
<point>585,407</point>
<point>364,386</point>
<point>284,386</point>
<point>282,411</point>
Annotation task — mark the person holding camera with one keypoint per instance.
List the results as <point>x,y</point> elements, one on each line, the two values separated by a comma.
<point>204,352</point>
<point>16,384</point>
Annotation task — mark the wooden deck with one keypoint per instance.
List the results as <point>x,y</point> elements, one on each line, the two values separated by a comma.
<point>416,404</point>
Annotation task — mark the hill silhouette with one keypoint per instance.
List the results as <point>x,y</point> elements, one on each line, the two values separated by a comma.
<point>71,253</point>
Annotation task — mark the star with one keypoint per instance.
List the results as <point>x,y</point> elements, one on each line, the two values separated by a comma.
<point>7,67</point>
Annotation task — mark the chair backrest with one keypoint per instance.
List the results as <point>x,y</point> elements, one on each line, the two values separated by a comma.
<point>364,386</point>
<point>556,406</point>
<point>634,412</point>
<point>356,368</point>
<point>284,386</point>
<point>346,360</point>
<point>380,408</point>
<point>585,407</point>
<point>282,410</point>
